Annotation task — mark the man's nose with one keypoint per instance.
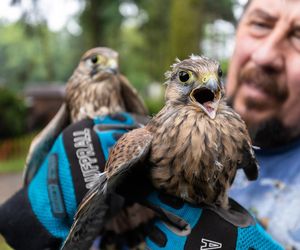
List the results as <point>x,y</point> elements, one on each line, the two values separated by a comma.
<point>269,52</point>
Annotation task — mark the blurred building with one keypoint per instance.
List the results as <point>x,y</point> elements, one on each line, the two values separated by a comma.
<point>43,102</point>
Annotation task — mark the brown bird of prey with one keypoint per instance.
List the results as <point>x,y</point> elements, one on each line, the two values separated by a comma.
<point>95,88</point>
<point>192,147</point>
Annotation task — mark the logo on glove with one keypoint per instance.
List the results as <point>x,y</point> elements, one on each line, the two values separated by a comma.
<point>210,245</point>
<point>86,156</point>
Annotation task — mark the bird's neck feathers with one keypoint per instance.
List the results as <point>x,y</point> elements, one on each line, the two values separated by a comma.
<point>88,99</point>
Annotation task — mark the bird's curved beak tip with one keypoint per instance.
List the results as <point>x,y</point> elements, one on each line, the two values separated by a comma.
<point>113,71</point>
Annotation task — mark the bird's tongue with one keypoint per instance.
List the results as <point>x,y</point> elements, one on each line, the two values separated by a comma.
<point>209,106</point>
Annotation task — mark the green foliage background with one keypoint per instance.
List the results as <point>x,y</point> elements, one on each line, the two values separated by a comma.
<point>159,32</point>
<point>13,111</point>
<point>163,30</point>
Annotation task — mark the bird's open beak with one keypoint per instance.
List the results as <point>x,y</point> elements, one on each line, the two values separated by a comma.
<point>207,96</point>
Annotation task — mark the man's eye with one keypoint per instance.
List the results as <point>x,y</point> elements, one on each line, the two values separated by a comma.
<point>260,25</point>
<point>259,28</point>
<point>295,39</point>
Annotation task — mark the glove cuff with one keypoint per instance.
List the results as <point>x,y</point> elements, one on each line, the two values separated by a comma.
<point>18,224</point>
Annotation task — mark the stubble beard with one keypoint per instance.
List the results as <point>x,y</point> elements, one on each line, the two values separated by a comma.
<point>271,133</point>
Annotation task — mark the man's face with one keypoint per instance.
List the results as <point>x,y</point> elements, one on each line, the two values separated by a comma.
<point>264,75</point>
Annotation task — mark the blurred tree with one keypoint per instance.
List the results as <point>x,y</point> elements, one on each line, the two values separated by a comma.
<point>186,28</point>
<point>101,21</point>
<point>17,64</point>
<point>133,61</point>
<point>221,9</point>
<point>169,29</point>
<point>175,29</point>
<point>31,53</point>
<point>156,37</point>
<point>12,110</point>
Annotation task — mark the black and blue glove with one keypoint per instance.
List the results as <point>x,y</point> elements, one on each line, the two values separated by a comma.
<point>39,216</point>
<point>185,226</point>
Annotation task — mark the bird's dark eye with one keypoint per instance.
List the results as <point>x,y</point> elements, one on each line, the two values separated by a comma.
<point>220,72</point>
<point>184,76</point>
<point>94,59</point>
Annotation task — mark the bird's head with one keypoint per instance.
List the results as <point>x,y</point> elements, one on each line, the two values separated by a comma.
<point>99,63</point>
<point>196,81</point>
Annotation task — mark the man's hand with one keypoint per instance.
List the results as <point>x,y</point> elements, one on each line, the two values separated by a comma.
<point>39,216</point>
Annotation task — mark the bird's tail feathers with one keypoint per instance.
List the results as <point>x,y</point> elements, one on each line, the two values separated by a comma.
<point>90,217</point>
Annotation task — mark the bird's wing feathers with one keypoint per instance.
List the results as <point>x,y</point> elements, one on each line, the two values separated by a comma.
<point>101,202</point>
<point>133,102</point>
<point>130,148</point>
<point>249,163</point>
<point>43,142</point>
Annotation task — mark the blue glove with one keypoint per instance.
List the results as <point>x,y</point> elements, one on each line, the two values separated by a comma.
<point>185,226</point>
<point>40,215</point>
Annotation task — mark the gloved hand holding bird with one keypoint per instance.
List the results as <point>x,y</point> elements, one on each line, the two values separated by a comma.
<point>55,178</point>
<point>191,149</point>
